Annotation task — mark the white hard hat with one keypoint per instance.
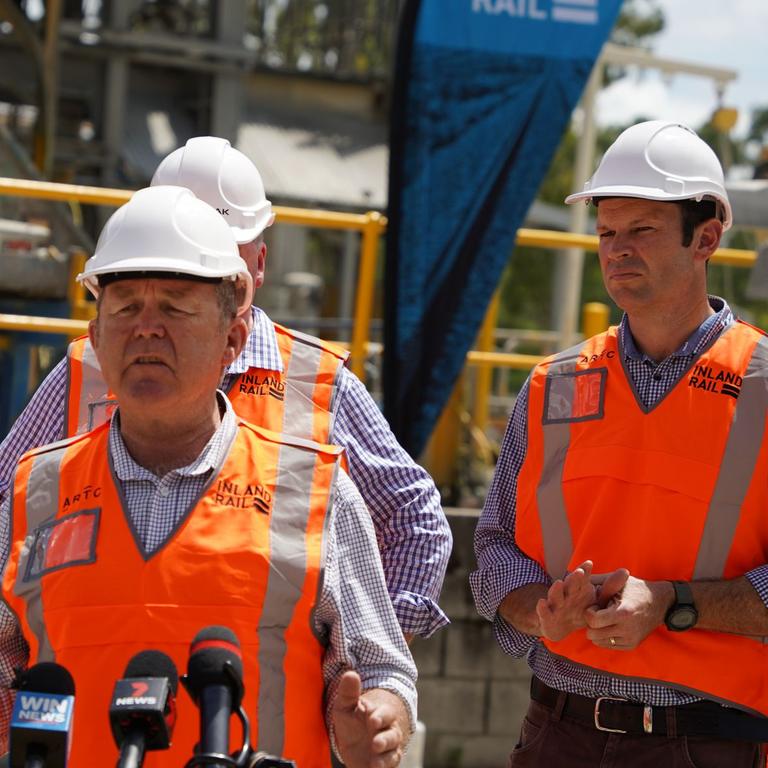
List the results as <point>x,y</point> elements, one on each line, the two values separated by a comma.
<point>659,160</point>
<point>165,229</point>
<point>223,177</point>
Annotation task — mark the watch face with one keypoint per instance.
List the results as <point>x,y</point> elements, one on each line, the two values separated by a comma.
<point>682,617</point>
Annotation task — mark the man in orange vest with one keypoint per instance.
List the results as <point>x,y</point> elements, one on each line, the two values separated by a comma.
<point>283,380</point>
<point>624,541</point>
<point>177,515</point>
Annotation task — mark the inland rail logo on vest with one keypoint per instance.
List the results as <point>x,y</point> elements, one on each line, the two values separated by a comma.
<point>229,494</point>
<point>713,379</point>
<point>259,386</point>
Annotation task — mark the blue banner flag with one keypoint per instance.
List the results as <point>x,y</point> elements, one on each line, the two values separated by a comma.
<point>483,92</point>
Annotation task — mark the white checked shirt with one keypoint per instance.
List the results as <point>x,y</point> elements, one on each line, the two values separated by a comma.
<point>354,613</point>
<point>411,529</point>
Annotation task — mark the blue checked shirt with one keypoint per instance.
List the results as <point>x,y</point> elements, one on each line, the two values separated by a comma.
<point>502,567</point>
<point>411,529</point>
<point>354,613</point>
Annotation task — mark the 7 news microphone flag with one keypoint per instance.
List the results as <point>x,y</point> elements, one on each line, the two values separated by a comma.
<point>483,92</point>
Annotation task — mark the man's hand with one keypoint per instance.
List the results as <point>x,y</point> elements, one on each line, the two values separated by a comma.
<point>564,609</point>
<point>632,611</point>
<point>371,728</point>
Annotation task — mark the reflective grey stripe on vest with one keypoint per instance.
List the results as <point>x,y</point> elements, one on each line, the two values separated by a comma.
<point>42,505</point>
<point>92,401</point>
<point>300,378</point>
<point>556,437</point>
<point>287,572</point>
<point>745,439</point>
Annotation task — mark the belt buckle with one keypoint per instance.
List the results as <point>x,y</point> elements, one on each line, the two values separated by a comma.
<point>598,702</point>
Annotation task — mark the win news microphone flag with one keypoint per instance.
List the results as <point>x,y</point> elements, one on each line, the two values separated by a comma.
<point>483,92</point>
<point>41,721</point>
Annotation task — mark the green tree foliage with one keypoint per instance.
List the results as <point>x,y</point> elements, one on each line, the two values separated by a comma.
<point>759,128</point>
<point>639,21</point>
<point>339,37</point>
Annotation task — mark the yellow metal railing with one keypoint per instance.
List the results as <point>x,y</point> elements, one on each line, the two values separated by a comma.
<point>371,225</point>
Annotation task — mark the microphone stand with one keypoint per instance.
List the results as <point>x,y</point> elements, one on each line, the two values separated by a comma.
<point>228,761</point>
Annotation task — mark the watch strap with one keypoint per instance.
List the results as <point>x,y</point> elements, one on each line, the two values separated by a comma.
<point>683,593</point>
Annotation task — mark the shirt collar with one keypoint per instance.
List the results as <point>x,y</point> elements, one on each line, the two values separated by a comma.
<point>260,350</point>
<point>212,455</point>
<point>711,328</point>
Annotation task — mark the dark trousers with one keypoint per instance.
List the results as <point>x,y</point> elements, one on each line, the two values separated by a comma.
<point>550,740</point>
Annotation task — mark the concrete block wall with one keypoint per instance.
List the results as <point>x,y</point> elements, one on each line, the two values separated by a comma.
<point>472,696</point>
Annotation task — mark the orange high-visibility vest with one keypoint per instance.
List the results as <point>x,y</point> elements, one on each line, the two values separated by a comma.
<point>678,491</point>
<point>248,555</point>
<point>300,401</point>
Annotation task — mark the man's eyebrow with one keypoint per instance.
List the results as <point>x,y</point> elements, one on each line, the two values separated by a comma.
<point>646,219</point>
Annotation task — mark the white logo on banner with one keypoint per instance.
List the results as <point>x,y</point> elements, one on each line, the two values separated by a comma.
<point>567,11</point>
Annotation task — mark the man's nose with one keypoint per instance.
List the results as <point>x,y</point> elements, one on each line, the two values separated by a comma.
<point>149,322</point>
<point>618,247</point>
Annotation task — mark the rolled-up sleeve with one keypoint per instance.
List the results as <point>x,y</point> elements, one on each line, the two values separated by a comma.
<point>758,578</point>
<point>502,567</point>
<point>40,423</point>
<point>354,613</point>
<point>412,532</point>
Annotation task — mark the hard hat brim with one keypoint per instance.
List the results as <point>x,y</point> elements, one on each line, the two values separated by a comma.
<point>158,264</point>
<point>644,193</point>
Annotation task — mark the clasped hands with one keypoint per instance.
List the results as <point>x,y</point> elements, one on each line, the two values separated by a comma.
<point>618,610</point>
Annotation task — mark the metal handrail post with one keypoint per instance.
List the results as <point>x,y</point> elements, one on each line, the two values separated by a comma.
<point>484,377</point>
<point>365,284</point>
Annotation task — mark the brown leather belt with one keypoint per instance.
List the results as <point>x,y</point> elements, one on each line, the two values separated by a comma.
<point>616,715</point>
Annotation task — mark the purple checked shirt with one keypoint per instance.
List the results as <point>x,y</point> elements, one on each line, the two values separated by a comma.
<point>411,529</point>
<point>502,567</point>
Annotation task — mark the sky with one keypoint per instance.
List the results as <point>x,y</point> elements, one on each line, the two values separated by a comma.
<point>732,34</point>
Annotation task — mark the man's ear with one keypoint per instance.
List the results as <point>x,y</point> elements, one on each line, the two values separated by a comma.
<point>261,266</point>
<point>706,238</point>
<point>237,335</point>
<point>93,333</point>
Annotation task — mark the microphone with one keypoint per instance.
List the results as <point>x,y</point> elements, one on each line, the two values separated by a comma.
<point>143,708</point>
<point>214,680</point>
<point>42,717</point>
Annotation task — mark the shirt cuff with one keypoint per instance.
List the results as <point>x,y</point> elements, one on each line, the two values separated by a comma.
<point>418,615</point>
<point>492,584</point>
<point>758,578</point>
<point>376,677</point>
<point>512,641</point>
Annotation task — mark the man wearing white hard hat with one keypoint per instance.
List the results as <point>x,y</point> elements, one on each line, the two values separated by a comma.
<point>623,545</point>
<point>283,380</point>
<point>176,515</point>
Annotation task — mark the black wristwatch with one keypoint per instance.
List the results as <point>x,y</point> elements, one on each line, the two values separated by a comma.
<point>682,614</point>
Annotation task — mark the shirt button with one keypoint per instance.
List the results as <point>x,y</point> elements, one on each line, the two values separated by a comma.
<point>657,376</point>
<point>164,490</point>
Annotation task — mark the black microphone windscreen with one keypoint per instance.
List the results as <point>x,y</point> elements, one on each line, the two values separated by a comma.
<point>209,652</point>
<point>47,676</point>
<point>153,664</point>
